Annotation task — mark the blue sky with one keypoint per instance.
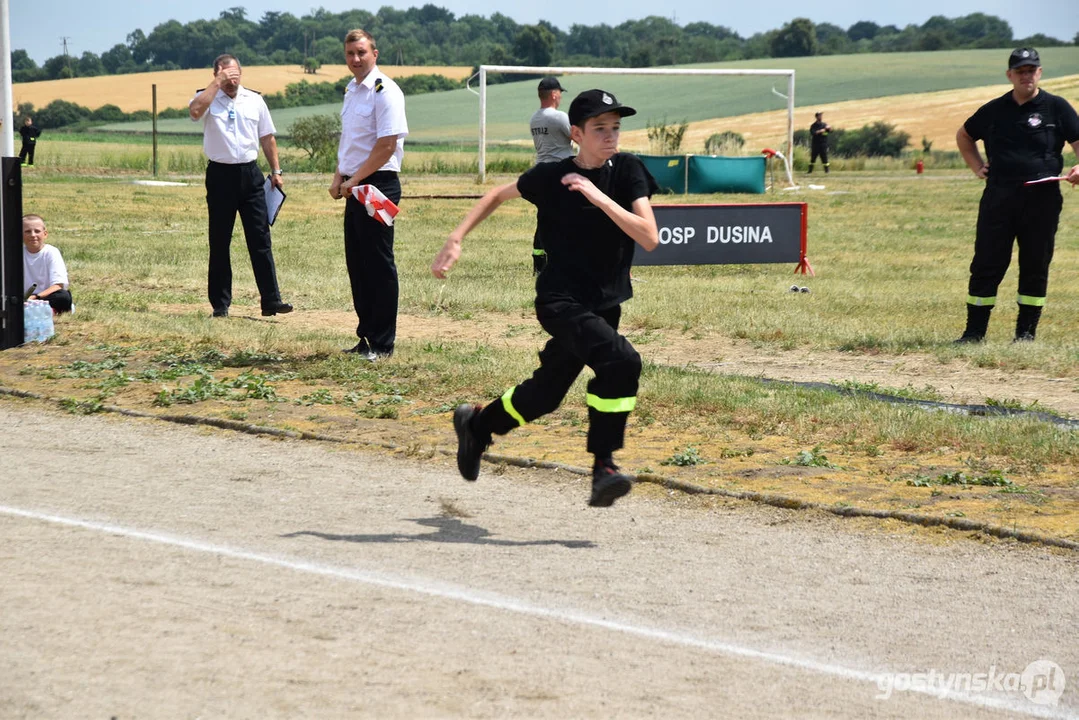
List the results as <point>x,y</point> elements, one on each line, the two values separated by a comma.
<point>38,27</point>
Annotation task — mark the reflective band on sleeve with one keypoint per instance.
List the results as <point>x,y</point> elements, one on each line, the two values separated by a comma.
<point>539,251</point>
<point>507,403</point>
<point>1031,300</point>
<point>615,405</point>
<point>981,302</point>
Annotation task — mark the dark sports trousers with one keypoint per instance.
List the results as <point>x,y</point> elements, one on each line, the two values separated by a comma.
<point>371,267</point>
<point>59,301</point>
<point>820,151</point>
<point>231,189</point>
<point>26,153</point>
<point>1010,212</point>
<point>579,337</point>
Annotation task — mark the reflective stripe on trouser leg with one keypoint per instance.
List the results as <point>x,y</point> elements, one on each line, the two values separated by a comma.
<point>1032,301</point>
<point>507,405</point>
<point>981,301</point>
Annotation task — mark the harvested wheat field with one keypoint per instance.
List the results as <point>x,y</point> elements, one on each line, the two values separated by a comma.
<point>175,88</point>
<point>935,115</point>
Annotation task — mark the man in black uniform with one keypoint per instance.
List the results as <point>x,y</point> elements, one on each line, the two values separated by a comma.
<point>818,134</point>
<point>1024,132</point>
<point>29,133</point>
<point>594,209</point>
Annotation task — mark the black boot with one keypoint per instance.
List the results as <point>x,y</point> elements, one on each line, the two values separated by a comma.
<point>977,324</point>
<point>1026,325</point>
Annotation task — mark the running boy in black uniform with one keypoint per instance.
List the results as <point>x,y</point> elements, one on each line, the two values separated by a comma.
<point>594,209</point>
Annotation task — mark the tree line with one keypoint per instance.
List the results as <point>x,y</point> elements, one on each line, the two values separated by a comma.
<point>431,35</point>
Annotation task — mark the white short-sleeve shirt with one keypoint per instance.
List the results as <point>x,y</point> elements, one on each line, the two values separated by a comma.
<point>232,127</point>
<point>45,268</point>
<point>373,109</point>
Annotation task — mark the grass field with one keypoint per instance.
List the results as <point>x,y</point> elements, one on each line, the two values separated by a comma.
<point>452,116</point>
<point>175,88</point>
<point>891,255</point>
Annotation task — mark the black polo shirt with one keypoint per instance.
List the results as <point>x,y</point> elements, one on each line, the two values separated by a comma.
<point>588,255</point>
<point>1024,142</point>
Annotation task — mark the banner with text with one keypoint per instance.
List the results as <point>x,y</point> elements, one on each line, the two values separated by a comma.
<point>728,234</point>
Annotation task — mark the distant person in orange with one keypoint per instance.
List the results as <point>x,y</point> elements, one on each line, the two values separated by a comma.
<point>30,134</point>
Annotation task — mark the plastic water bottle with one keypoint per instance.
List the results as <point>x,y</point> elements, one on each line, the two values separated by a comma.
<point>37,321</point>
<point>29,321</point>
<point>48,329</point>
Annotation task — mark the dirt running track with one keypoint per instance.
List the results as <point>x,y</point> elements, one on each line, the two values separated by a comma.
<point>151,570</point>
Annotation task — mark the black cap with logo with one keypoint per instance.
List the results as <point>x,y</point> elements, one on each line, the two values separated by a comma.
<point>1024,56</point>
<point>591,103</point>
<point>550,83</point>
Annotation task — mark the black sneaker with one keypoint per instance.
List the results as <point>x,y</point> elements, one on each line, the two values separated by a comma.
<point>221,312</point>
<point>608,484</point>
<point>470,446</point>
<point>967,339</point>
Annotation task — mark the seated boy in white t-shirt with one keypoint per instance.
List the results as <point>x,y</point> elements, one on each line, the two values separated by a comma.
<point>43,270</point>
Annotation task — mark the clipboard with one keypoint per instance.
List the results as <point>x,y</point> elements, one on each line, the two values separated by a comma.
<point>275,198</point>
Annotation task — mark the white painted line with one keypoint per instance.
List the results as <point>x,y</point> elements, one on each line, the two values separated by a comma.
<point>506,603</point>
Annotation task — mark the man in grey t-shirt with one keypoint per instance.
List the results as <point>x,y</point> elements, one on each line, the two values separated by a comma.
<point>550,135</point>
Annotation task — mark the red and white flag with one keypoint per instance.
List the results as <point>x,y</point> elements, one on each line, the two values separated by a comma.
<point>378,206</point>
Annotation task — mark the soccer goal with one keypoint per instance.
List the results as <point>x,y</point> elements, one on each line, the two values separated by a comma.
<point>655,92</point>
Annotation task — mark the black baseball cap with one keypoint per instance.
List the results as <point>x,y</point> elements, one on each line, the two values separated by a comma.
<point>591,103</point>
<point>551,83</point>
<point>1024,56</point>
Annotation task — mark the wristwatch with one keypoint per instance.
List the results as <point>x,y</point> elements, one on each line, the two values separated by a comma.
<point>277,172</point>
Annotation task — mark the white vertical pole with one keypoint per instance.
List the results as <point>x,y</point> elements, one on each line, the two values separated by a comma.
<point>483,124</point>
<point>7,136</point>
<point>790,127</point>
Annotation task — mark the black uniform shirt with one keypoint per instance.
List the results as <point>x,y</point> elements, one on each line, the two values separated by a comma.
<point>588,255</point>
<point>1024,142</point>
<point>821,139</point>
<point>29,134</point>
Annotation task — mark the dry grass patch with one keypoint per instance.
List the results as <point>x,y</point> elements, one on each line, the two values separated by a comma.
<point>935,115</point>
<point>175,88</point>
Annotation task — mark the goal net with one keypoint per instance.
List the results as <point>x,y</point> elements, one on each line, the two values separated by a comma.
<point>660,95</point>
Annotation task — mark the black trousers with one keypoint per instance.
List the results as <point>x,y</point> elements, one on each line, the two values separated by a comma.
<point>1009,213</point>
<point>820,151</point>
<point>372,271</point>
<point>26,154</point>
<point>59,301</point>
<point>579,337</point>
<point>231,189</point>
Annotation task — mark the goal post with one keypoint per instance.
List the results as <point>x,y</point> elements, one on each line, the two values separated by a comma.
<point>532,70</point>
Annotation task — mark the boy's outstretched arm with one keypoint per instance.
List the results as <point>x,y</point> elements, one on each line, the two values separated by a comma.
<point>640,224</point>
<point>451,250</point>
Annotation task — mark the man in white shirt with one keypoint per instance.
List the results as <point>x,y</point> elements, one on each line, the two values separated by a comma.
<point>373,130</point>
<point>44,273</point>
<point>236,122</point>
<point>550,135</point>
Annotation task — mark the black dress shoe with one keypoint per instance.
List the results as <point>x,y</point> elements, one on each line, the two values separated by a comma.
<point>364,350</point>
<point>221,312</point>
<point>278,307</point>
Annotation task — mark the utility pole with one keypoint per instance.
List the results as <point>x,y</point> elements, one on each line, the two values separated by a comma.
<point>67,58</point>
